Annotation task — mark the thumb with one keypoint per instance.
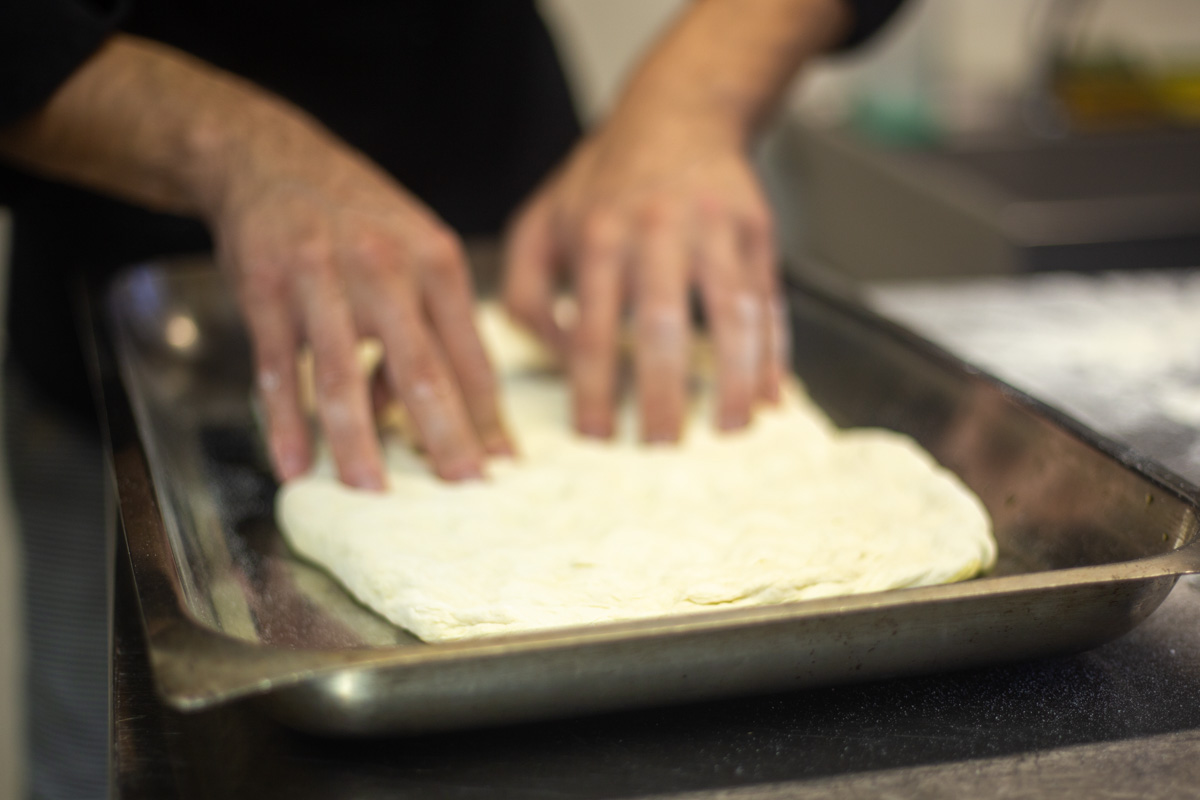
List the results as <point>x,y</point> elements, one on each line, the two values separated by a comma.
<point>532,261</point>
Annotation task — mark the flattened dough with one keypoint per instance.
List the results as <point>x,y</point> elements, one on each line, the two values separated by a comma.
<point>578,532</point>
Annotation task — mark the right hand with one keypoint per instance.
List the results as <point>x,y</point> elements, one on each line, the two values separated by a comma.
<point>321,245</point>
<point>324,248</point>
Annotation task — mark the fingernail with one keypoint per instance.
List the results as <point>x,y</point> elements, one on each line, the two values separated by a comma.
<point>661,436</point>
<point>593,424</point>
<point>497,441</point>
<point>290,465</point>
<point>461,471</point>
<point>500,445</point>
<point>595,429</point>
<point>464,474</point>
<point>660,441</point>
<point>366,478</point>
<point>733,422</point>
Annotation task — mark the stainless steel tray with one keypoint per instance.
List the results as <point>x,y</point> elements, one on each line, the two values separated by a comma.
<point>1092,538</point>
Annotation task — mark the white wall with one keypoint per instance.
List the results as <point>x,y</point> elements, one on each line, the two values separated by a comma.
<point>600,40</point>
<point>990,39</point>
<point>982,48</point>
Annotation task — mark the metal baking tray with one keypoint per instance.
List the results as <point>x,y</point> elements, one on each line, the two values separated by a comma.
<point>1092,538</point>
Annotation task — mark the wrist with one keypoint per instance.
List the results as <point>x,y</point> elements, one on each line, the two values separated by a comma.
<point>231,145</point>
<point>713,115</point>
<point>722,67</point>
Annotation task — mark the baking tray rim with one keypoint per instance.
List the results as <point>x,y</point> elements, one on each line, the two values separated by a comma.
<point>197,666</point>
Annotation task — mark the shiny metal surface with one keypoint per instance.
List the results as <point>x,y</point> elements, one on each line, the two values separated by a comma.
<point>1116,722</point>
<point>1001,203</point>
<point>1092,539</point>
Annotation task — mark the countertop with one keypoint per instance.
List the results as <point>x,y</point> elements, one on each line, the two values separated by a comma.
<point>1119,721</point>
<point>1122,720</point>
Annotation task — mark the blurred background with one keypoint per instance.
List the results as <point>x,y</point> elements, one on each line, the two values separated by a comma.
<point>973,137</point>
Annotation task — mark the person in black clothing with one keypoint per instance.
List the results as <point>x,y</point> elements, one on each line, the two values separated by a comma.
<point>463,102</point>
<point>332,154</point>
<point>325,229</point>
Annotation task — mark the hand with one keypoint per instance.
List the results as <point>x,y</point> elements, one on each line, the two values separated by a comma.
<point>641,212</point>
<point>662,199</point>
<point>323,249</point>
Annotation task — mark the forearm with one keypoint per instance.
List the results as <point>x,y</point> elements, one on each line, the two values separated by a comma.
<point>321,247</point>
<point>724,64</point>
<point>152,125</point>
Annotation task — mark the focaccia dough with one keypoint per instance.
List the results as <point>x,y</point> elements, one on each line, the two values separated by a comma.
<point>578,532</point>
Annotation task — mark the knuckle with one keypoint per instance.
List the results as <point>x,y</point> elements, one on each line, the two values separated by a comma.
<point>421,375</point>
<point>313,251</point>
<point>662,323</point>
<point>747,311</point>
<point>269,379</point>
<point>271,354</point>
<point>441,249</point>
<point>711,206</point>
<point>336,380</point>
<point>590,342</point>
<point>310,264</point>
<point>267,283</point>
<point>759,224</point>
<point>658,213</point>
<point>261,276</point>
<point>600,231</point>
<point>444,261</point>
<point>738,313</point>
<point>373,250</point>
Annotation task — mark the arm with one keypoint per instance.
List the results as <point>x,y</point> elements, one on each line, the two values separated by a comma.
<point>661,197</point>
<point>321,245</point>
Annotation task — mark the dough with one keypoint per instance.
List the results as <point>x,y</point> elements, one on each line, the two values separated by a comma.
<point>579,532</point>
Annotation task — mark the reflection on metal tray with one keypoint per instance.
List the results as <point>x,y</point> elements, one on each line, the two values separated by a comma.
<point>1091,540</point>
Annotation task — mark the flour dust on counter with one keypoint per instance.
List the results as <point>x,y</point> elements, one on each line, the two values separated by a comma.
<point>1120,351</point>
<point>578,532</point>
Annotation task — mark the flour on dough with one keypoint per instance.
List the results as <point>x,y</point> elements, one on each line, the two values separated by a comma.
<point>578,532</point>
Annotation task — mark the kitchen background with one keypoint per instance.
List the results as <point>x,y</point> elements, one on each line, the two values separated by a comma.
<point>972,137</point>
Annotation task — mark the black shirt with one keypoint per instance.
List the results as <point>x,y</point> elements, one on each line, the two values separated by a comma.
<point>462,100</point>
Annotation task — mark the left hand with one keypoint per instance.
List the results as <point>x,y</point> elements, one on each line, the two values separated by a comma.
<point>644,210</point>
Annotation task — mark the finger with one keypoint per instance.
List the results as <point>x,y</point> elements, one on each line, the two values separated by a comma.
<point>661,330</point>
<point>273,338</point>
<point>449,301</point>
<point>735,316</point>
<point>343,403</point>
<point>419,374</point>
<point>762,260</point>
<point>531,261</point>
<point>594,338</point>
